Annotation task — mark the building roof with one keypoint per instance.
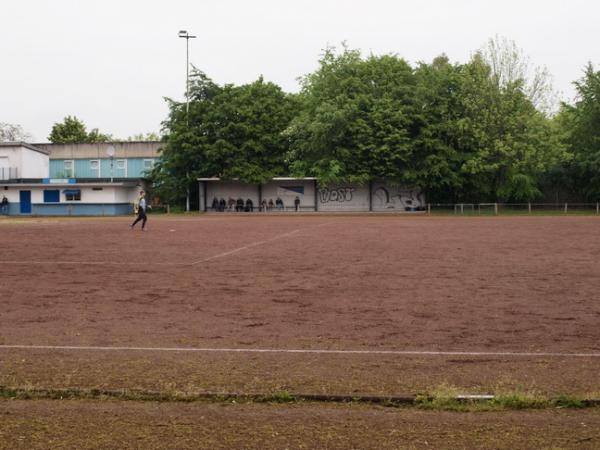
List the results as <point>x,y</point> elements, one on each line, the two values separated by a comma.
<point>49,182</point>
<point>26,145</point>
<point>122,149</point>
<point>66,185</point>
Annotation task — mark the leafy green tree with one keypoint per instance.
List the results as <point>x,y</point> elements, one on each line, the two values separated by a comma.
<point>73,131</point>
<point>454,131</point>
<point>144,137</point>
<point>232,132</point>
<point>460,132</point>
<point>183,157</point>
<point>358,120</point>
<point>94,137</point>
<point>504,142</point>
<point>440,149</point>
<point>580,124</point>
<point>247,124</point>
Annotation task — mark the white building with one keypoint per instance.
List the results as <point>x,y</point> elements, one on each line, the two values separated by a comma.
<point>25,181</point>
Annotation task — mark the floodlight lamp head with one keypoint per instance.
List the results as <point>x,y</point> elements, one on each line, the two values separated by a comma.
<point>110,151</point>
<point>183,33</point>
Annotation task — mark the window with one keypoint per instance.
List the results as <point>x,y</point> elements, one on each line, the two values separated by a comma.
<point>95,167</point>
<point>148,164</point>
<point>69,167</point>
<point>51,196</point>
<point>122,167</point>
<point>4,169</point>
<point>72,194</point>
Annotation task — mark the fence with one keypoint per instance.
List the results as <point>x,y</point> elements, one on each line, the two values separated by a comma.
<point>464,209</point>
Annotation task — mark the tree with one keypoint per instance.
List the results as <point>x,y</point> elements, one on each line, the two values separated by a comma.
<point>73,131</point>
<point>183,158</point>
<point>508,143</point>
<point>144,137</point>
<point>454,131</point>
<point>12,133</point>
<point>94,137</point>
<point>232,132</point>
<point>460,132</point>
<point>580,124</point>
<point>509,66</point>
<point>358,119</point>
<point>440,151</point>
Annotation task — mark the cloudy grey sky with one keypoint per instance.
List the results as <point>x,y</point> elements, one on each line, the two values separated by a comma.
<point>111,62</point>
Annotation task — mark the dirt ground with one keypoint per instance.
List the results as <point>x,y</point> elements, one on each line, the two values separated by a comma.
<point>311,283</point>
<point>307,282</point>
<point>72,424</point>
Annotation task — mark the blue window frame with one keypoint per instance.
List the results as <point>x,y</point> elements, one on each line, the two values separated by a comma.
<point>72,194</point>
<point>51,196</point>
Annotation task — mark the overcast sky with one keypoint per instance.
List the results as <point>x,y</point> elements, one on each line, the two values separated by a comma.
<point>110,63</point>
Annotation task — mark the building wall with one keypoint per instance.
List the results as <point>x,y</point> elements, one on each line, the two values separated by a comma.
<point>29,163</point>
<point>150,149</point>
<point>109,200</point>
<point>132,168</point>
<point>343,197</point>
<point>34,164</point>
<point>288,190</point>
<point>231,189</point>
<point>81,209</point>
<point>391,197</point>
<point>127,195</point>
<point>11,159</point>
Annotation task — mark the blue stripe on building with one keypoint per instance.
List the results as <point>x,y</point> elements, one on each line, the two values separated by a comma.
<point>121,168</point>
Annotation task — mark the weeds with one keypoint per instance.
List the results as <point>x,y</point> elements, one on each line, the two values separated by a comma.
<point>443,398</point>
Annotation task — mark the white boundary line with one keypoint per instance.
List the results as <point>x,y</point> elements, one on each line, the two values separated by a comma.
<point>239,249</point>
<point>301,351</point>
<point>255,244</point>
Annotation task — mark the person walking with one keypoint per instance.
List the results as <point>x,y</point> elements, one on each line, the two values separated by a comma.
<point>141,211</point>
<point>4,205</point>
<point>297,203</point>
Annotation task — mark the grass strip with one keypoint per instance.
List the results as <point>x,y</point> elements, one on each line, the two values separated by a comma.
<point>511,401</point>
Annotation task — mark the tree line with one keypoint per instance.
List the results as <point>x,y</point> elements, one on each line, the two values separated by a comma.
<point>484,130</point>
<point>71,130</point>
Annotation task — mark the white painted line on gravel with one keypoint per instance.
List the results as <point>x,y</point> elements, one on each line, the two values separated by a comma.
<point>304,351</point>
<point>245,247</point>
<point>135,263</point>
<point>254,244</point>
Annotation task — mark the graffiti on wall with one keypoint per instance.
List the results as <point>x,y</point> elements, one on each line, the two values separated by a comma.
<point>338,194</point>
<point>401,199</point>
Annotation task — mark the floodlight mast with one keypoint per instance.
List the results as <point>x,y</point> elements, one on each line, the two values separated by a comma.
<point>185,35</point>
